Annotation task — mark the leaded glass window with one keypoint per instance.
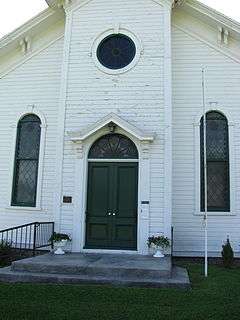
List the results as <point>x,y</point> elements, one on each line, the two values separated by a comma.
<point>26,161</point>
<point>113,146</point>
<point>116,51</point>
<point>218,180</point>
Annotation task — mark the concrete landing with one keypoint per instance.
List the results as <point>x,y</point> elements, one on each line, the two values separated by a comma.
<point>124,270</point>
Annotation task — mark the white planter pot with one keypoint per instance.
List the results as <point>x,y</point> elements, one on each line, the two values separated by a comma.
<point>59,247</point>
<point>158,252</point>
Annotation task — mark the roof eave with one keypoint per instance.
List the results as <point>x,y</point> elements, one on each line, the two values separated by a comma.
<point>9,41</point>
<point>51,3</point>
<point>213,14</point>
<point>17,33</point>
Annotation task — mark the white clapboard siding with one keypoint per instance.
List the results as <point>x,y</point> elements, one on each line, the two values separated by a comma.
<point>36,82</point>
<point>222,86</point>
<point>136,96</point>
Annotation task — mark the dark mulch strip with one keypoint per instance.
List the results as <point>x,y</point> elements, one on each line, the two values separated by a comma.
<point>211,261</point>
<point>14,255</point>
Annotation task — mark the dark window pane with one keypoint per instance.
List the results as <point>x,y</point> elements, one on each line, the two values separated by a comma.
<point>26,161</point>
<point>30,118</point>
<point>26,182</point>
<point>113,146</point>
<point>28,144</point>
<point>218,187</point>
<point>116,51</point>
<point>217,163</point>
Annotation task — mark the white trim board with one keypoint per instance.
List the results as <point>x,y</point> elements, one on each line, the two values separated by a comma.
<point>23,29</point>
<point>112,117</point>
<point>61,121</point>
<point>74,5</point>
<point>28,57</point>
<point>222,50</point>
<point>168,124</point>
<point>213,14</point>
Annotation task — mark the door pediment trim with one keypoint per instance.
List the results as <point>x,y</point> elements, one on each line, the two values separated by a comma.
<point>80,136</point>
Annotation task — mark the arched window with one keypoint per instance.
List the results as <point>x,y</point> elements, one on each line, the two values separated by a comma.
<point>113,146</point>
<point>218,180</point>
<point>25,178</point>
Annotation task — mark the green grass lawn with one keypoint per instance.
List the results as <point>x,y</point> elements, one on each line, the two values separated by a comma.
<point>218,298</point>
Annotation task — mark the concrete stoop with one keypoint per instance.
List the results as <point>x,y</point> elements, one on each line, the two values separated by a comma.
<point>120,270</point>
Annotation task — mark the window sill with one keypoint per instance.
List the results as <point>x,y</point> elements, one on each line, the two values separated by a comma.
<point>224,214</point>
<point>30,209</point>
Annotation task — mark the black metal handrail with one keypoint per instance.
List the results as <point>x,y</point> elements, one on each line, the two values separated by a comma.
<point>31,236</point>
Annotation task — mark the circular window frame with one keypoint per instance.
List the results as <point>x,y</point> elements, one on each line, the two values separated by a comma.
<point>111,32</point>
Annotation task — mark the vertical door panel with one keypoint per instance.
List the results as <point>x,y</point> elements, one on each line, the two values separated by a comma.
<point>98,233</point>
<point>124,233</point>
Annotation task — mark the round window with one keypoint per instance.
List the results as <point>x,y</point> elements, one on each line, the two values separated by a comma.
<point>116,51</point>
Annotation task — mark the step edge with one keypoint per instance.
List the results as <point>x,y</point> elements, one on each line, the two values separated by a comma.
<point>9,276</point>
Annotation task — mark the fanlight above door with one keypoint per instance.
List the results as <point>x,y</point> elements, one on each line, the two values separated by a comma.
<point>113,146</point>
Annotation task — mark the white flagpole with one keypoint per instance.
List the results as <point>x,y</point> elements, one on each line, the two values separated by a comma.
<point>205,176</point>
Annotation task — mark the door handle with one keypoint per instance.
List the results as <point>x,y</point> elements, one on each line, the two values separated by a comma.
<point>111,214</point>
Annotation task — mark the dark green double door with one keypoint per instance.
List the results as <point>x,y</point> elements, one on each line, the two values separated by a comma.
<point>111,217</point>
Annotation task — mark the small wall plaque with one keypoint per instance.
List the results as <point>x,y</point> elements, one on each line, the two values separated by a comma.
<point>145,202</point>
<point>67,199</point>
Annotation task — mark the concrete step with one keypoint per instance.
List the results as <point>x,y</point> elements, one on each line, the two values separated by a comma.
<point>127,267</point>
<point>179,279</point>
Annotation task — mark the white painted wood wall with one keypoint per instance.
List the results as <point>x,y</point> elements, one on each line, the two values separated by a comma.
<point>137,96</point>
<point>64,84</point>
<point>35,82</point>
<point>223,94</point>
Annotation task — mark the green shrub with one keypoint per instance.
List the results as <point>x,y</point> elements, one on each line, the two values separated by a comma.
<point>59,237</point>
<point>227,255</point>
<point>159,241</point>
<point>5,248</point>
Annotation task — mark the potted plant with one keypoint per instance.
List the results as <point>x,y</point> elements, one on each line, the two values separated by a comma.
<point>59,240</point>
<point>159,243</point>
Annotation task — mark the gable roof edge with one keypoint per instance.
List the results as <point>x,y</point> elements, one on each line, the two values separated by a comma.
<point>17,33</point>
<point>213,14</point>
<point>223,50</point>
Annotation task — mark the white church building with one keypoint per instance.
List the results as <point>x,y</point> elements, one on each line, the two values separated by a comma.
<point>101,124</point>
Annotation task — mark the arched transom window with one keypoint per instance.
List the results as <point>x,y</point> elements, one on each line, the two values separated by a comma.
<point>25,178</point>
<point>113,146</point>
<point>218,180</point>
